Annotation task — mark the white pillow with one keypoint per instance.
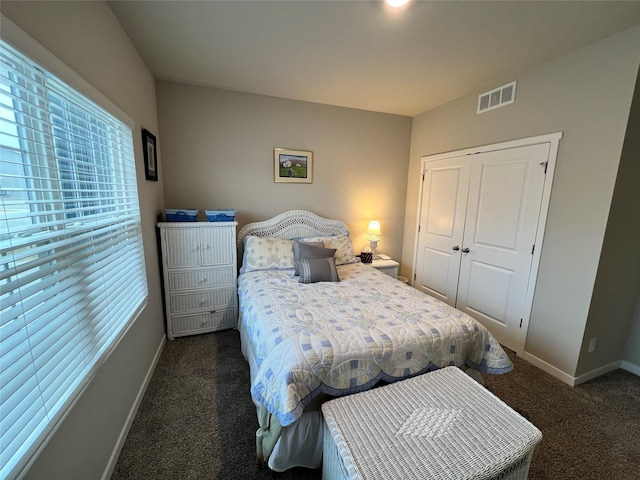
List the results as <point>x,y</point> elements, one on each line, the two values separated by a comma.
<point>266,253</point>
<point>342,244</point>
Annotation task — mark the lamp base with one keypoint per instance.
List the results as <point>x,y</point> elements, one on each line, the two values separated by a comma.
<point>374,248</point>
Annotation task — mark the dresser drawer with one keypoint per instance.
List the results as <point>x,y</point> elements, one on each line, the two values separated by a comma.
<point>203,322</point>
<point>391,271</point>
<point>205,300</point>
<point>200,279</point>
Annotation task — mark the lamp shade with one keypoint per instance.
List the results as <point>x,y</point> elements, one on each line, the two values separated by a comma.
<point>374,228</point>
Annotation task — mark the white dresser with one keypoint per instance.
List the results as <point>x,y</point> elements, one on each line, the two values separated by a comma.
<point>200,276</point>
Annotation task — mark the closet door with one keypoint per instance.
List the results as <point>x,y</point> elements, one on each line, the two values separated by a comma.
<point>502,212</point>
<point>481,211</point>
<point>444,199</point>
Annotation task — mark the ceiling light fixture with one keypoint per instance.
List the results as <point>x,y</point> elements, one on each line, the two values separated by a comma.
<point>396,3</point>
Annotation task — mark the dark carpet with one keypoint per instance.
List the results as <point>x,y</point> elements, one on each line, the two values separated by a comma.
<point>197,421</point>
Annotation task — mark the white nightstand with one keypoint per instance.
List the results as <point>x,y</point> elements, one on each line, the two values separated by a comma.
<point>390,267</point>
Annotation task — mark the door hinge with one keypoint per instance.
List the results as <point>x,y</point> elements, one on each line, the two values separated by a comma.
<point>414,277</point>
<point>545,166</point>
<point>419,228</point>
<point>520,323</point>
<point>533,248</point>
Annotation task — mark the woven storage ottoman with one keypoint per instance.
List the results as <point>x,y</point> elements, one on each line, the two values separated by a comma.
<point>440,425</point>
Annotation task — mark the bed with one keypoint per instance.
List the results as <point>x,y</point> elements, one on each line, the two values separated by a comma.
<point>337,327</point>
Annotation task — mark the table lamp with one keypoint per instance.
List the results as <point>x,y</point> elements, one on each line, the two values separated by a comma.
<point>372,235</point>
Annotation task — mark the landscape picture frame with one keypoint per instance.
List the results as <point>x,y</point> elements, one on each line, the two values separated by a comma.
<point>292,166</point>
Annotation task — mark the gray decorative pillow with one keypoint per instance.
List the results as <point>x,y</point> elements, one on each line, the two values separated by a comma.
<point>342,244</point>
<point>296,252</point>
<point>314,270</point>
<point>310,251</point>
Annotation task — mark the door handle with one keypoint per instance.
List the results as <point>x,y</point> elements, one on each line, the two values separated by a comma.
<point>465,250</point>
<point>455,248</point>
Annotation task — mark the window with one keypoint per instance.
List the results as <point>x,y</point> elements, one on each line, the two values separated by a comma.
<point>72,273</point>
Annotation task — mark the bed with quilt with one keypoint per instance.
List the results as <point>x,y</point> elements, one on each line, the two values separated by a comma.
<point>315,323</point>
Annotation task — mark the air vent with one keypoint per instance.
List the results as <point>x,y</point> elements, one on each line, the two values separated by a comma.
<point>498,97</point>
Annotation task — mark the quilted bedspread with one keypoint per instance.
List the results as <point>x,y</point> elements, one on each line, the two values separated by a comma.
<point>344,337</point>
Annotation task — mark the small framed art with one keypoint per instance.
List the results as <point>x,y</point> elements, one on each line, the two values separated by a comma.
<point>292,166</point>
<point>150,155</point>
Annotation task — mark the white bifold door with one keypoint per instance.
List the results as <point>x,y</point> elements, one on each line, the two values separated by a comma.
<point>479,217</point>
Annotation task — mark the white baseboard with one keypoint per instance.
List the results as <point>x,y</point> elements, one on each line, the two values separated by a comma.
<point>585,377</point>
<point>132,413</point>
<point>630,367</point>
<point>550,369</point>
<point>609,367</point>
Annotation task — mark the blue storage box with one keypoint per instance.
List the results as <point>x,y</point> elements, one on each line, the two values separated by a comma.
<point>180,215</point>
<point>221,215</point>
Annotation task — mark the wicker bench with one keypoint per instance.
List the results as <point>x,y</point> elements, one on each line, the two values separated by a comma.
<point>440,425</point>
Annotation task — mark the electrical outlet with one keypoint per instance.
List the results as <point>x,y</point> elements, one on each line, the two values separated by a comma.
<point>592,345</point>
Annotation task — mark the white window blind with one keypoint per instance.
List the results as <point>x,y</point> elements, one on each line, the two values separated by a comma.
<point>72,273</point>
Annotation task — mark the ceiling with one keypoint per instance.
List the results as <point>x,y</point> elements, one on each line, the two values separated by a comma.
<point>362,54</point>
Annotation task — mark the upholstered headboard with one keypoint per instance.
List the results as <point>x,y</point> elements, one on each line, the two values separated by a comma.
<point>290,225</point>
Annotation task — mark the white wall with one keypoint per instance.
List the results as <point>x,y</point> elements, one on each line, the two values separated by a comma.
<point>217,151</point>
<point>611,314</point>
<point>87,37</point>
<point>587,95</point>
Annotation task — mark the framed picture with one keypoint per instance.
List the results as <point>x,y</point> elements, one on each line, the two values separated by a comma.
<point>292,166</point>
<point>150,156</point>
